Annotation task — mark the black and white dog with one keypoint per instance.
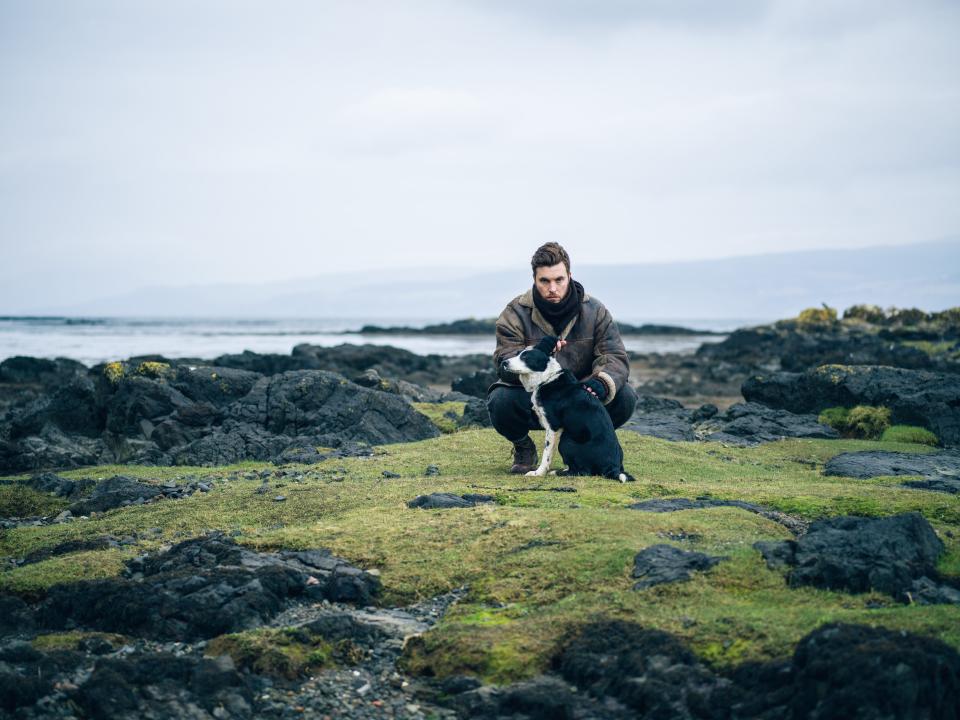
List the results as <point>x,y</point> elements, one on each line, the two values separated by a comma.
<point>574,419</point>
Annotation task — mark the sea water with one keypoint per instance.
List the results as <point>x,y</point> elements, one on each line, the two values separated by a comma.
<point>95,340</point>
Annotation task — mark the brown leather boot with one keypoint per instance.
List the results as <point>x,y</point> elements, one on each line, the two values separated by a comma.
<point>524,456</point>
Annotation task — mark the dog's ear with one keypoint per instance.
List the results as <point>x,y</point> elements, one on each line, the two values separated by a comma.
<point>547,345</point>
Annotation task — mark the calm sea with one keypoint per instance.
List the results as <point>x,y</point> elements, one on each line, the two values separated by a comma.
<point>95,340</point>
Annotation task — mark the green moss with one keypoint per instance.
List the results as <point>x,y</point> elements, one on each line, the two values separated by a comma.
<point>444,415</point>
<point>862,421</point>
<point>947,349</point>
<point>114,371</point>
<point>835,417</point>
<point>872,314</point>
<point>285,653</point>
<point>153,369</point>
<point>33,580</point>
<point>909,434</point>
<point>868,422</point>
<point>17,500</point>
<point>539,564</point>
<point>72,640</point>
<point>817,316</point>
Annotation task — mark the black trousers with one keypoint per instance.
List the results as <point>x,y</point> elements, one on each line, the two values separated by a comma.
<point>513,417</point>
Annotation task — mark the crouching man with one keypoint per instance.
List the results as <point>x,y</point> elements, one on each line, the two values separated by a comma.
<point>590,347</point>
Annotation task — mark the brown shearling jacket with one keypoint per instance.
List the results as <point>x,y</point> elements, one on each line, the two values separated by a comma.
<point>593,349</point>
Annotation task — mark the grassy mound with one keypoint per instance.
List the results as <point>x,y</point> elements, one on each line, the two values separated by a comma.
<point>863,421</point>
<point>540,562</point>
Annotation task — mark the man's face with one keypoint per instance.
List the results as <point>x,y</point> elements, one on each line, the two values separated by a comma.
<point>552,282</point>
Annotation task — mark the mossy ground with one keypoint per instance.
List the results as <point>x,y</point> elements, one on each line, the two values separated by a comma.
<point>279,652</point>
<point>538,563</point>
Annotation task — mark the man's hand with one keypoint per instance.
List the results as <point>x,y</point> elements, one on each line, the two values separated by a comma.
<point>559,347</point>
<point>595,387</point>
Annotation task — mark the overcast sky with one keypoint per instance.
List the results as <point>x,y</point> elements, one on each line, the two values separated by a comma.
<point>199,141</point>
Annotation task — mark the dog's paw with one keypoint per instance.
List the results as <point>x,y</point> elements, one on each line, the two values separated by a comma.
<point>552,472</point>
<point>627,477</point>
<point>533,473</point>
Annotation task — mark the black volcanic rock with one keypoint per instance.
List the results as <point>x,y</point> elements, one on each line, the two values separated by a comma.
<point>944,465</point>
<point>649,671</point>
<point>754,423</point>
<point>857,672</point>
<point>22,370</point>
<point>158,413</point>
<point>319,402</point>
<point>615,669</point>
<point>115,492</point>
<point>795,346</point>
<point>475,384</point>
<point>444,501</point>
<point>659,564</point>
<point>202,588</point>
<point>930,400</point>
<point>858,554</point>
<point>661,418</point>
<point>475,414</point>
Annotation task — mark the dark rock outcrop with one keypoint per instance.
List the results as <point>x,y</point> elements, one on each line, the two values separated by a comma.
<point>857,672</point>
<point>930,400</point>
<point>20,370</point>
<point>475,384</point>
<point>659,564</point>
<point>443,501</point>
<point>836,671</point>
<point>320,402</point>
<point>661,418</point>
<point>144,685</point>
<point>202,588</point>
<point>164,685</point>
<point>61,487</point>
<point>542,698</point>
<point>740,424</point>
<point>649,671</point>
<point>796,346</point>
<point>858,554</point>
<point>156,413</point>
<point>475,414</point>
<point>754,423</point>
<point>115,492</point>
<point>943,466</point>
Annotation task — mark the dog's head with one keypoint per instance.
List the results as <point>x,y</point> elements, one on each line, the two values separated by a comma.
<point>535,365</point>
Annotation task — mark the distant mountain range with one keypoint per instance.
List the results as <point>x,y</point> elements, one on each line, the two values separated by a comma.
<point>770,286</point>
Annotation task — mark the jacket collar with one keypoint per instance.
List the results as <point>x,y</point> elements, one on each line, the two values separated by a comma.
<point>526,300</point>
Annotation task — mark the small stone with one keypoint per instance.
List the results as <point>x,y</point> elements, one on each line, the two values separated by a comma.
<point>390,475</point>
<point>431,471</point>
<point>280,498</point>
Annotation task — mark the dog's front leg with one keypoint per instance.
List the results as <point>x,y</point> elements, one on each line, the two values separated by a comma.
<point>549,448</point>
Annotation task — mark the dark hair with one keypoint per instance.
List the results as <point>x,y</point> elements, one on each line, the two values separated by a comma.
<point>548,255</point>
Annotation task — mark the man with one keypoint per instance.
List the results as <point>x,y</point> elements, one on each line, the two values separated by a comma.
<point>590,347</point>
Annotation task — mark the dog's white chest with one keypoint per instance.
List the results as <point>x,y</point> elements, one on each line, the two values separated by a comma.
<point>538,409</point>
